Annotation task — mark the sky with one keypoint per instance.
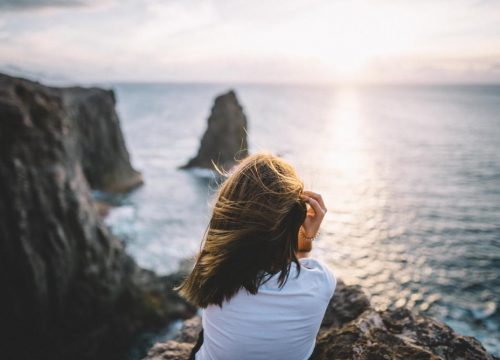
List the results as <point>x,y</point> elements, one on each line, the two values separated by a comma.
<point>278,41</point>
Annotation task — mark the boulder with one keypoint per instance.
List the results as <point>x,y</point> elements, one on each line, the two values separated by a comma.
<point>170,350</point>
<point>396,334</point>
<point>352,329</point>
<point>69,290</point>
<point>225,139</point>
<point>347,304</point>
<point>180,347</point>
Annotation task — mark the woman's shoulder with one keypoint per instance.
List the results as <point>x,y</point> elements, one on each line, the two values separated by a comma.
<point>317,268</point>
<point>313,263</point>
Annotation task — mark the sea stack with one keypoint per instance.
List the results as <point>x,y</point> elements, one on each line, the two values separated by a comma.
<point>69,290</point>
<point>225,139</point>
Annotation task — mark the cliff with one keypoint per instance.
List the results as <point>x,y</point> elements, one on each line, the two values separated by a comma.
<point>69,290</point>
<point>99,142</point>
<point>92,127</point>
<point>225,139</point>
<point>353,329</point>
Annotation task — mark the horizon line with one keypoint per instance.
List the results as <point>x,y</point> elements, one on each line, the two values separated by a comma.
<point>66,82</point>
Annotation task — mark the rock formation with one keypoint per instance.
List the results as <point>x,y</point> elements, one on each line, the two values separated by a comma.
<point>352,329</point>
<point>99,141</point>
<point>69,291</point>
<point>179,348</point>
<point>225,140</point>
<point>96,139</point>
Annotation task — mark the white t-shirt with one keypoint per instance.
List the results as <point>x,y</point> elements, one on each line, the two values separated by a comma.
<point>274,323</point>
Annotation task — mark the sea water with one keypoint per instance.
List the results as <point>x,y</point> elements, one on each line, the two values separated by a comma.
<point>410,176</point>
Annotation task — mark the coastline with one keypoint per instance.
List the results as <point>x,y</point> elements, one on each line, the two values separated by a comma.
<point>71,283</point>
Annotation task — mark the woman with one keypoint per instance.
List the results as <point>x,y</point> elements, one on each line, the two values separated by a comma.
<point>262,297</point>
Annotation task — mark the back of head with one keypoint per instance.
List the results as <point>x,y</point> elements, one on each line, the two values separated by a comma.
<point>252,233</point>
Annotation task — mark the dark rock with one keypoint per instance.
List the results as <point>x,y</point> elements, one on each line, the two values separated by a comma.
<point>99,142</point>
<point>171,350</point>
<point>179,348</point>
<point>190,330</point>
<point>93,127</point>
<point>396,334</point>
<point>347,303</point>
<point>69,290</point>
<point>225,140</point>
<point>102,208</point>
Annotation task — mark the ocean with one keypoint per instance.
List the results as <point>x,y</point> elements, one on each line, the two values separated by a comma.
<point>410,175</point>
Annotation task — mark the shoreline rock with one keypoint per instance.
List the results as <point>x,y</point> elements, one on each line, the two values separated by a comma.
<point>225,139</point>
<point>353,329</point>
<point>69,289</point>
<point>100,142</point>
<point>92,127</point>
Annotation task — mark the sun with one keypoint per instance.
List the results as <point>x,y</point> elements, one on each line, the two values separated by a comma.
<point>347,63</point>
<point>360,35</point>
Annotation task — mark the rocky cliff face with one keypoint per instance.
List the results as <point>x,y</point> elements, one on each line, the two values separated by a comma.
<point>94,137</point>
<point>352,329</point>
<point>99,141</point>
<point>69,291</point>
<point>225,140</point>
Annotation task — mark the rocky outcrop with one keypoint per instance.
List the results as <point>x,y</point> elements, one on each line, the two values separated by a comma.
<point>180,347</point>
<point>171,350</point>
<point>396,334</point>
<point>96,139</point>
<point>225,140</point>
<point>99,143</point>
<point>352,329</point>
<point>347,304</point>
<point>69,290</point>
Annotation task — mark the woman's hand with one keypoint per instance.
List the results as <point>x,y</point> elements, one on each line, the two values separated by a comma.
<point>315,213</point>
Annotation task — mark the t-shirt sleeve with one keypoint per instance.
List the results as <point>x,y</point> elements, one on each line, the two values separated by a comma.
<point>328,274</point>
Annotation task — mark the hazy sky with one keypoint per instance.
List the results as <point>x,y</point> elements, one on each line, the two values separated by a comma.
<point>258,41</point>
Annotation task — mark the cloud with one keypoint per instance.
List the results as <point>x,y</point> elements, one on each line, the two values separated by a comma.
<point>466,68</point>
<point>214,40</point>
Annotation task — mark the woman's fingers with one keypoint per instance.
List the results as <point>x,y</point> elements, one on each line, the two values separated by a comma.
<point>318,210</point>
<point>315,217</point>
<point>316,197</point>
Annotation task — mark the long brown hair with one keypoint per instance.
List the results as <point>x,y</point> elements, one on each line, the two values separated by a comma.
<point>252,233</point>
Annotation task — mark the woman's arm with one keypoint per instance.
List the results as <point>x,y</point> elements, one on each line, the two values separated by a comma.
<point>310,229</point>
<point>305,244</point>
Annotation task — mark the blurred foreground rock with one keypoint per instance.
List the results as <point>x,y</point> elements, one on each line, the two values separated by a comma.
<point>69,290</point>
<point>225,140</point>
<point>179,348</point>
<point>352,329</point>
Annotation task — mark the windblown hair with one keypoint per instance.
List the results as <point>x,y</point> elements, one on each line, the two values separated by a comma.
<point>252,234</point>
